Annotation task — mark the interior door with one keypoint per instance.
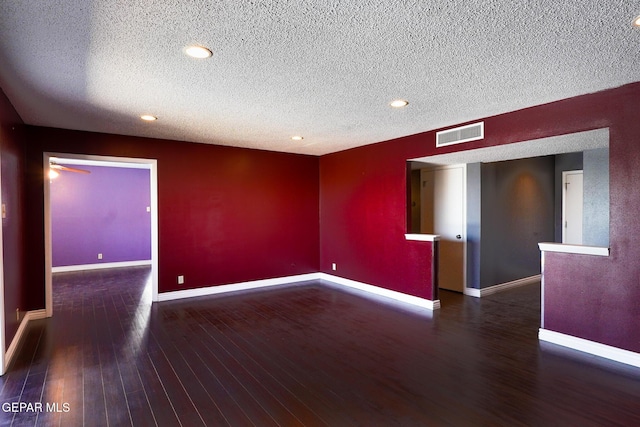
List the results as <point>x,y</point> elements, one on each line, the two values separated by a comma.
<point>443,213</point>
<point>572,201</point>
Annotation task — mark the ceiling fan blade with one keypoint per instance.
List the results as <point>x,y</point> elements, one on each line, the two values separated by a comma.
<point>67,168</point>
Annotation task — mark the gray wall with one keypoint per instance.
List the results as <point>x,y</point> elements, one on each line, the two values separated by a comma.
<point>517,212</point>
<point>595,225</point>
<point>514,205</point>
<point>595,166</point>
<point>474,202</point>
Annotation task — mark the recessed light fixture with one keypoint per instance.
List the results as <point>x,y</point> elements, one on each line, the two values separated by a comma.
<point>297,138</point>
<point>636,21</point>
<point>148,118</point>
<point>399,103</point>
<point>199,52</point>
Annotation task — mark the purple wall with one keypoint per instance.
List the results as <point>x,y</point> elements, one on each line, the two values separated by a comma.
<point>225,214</point>
<point>102,212</point>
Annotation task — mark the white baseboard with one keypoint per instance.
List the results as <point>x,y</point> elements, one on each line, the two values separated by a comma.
<point>234,287</point>
<point>15,342</point>
<point>591,347</point>
<point>580,344</point>
<point>256,284</point>
<point>483,292</point>
<point>387,293</point>
<point>68,268</point>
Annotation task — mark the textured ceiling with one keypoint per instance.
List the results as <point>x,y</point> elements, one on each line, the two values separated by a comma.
<point>324,69</point>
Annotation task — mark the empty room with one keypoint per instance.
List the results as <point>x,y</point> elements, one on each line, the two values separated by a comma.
<point>319,213</point>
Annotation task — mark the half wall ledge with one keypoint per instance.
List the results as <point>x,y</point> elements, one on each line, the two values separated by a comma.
<point>574,249</point>
<point>423,237</point>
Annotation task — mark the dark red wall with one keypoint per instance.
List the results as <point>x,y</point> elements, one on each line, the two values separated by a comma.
<point>363,215</point>
<point>226,214</point>
<point>231,215</point>
<point>363,203</point>
<point>598,298</point>
<point>12,154</point>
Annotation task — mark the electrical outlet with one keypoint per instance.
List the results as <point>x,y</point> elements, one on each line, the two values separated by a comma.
<point>99,256</point>
<point>180,280</point>
<point>334,266</point>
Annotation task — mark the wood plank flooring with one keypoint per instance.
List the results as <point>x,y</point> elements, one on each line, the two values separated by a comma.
<point>307,355</point>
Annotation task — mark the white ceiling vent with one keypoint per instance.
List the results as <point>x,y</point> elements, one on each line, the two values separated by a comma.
<point>458,135</point>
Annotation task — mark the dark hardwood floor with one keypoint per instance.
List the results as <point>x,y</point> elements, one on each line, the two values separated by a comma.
<point>302,355</point>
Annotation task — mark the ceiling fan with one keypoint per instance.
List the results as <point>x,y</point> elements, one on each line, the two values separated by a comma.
<point>55,169</point>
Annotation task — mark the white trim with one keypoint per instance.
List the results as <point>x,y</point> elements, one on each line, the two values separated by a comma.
<point>542,256</point>
<point>590,347</point>
<point>153,200</point>
<point>11,351</point>
<point>565,175</point>
<point>81,267</point>
<point>257,284</point>
<point>388,293</point>
<point>2,307</point>
<point>422,237</point>
<point>48,251</point>
<point>574,249</point>
<point>235,287</point>
<point>86,161</point>
<point>483,292</point>
<point>79,159</point>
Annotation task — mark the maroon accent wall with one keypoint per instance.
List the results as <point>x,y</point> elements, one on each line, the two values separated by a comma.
<point>363,215</point>
<point>226,215</point>
<point>230,215</point>
<point>598,298</point>
<point>363,203</point>
<point>12,155</point>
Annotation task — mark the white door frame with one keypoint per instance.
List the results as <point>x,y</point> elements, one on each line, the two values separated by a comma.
<point>462,166</point>
<point>2,325</point>
<point>565,174</point>
<point>150,164</point>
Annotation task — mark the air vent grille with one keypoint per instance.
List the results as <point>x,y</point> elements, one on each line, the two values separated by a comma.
<point>459,135</point>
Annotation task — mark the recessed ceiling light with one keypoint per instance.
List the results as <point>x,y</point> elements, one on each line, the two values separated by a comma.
<point>297,138</point>
<point>199,52</point>
<point>148,118</point>
<point>636,21</point>
<point>399,103</point>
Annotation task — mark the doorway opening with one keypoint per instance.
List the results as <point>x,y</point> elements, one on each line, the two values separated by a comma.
<point>79,162</point>
<point>503,185</point>
<point>443,207</point>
